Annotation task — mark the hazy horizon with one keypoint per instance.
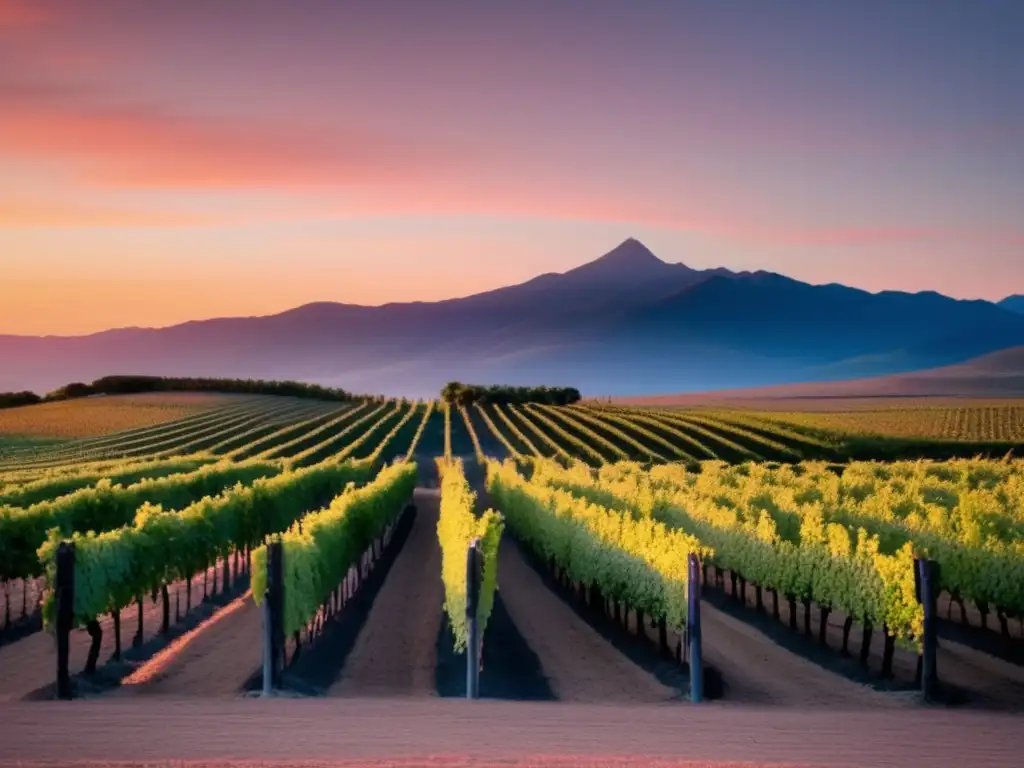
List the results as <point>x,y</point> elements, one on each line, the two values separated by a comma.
<point>162,163</point>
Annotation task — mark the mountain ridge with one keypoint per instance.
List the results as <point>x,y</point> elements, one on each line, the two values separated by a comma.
<point>1013,303</point>
<point>626,322</point>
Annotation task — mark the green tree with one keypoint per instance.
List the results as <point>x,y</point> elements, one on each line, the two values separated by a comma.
<point>451,392</point>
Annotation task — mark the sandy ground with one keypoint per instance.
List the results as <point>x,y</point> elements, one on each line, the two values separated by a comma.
<point>217,658</point>
<point>28,664</point>
<point>579,663</point>
<point>757,670</point>
<point>985,680</point>
<point>395,652</point>
<point>338,729</point>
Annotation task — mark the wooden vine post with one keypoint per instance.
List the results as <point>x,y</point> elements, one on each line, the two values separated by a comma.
<point>926,576</point>
<point>474,574</point>
<point>273,620</point>
<point>693,630</point>
<point>64,593</point>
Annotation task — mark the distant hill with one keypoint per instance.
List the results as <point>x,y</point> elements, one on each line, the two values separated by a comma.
<point>625,323</point>
<point>999,374</point>
<point>1013,303</point>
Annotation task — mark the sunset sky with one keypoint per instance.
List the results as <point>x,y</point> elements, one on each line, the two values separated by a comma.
<point>162,161</point>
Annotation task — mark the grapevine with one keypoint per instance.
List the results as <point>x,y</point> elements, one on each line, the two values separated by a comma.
<point>457,526</point>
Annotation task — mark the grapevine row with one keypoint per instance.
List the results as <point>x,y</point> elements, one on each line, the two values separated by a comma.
<point>123,473</point>
<point>495,431</point>
<point>636,423</point>
<point>284,434</point>
<point>116,568</point>
<point>427,413</point>
<point>319,549</point>
<point>477,450</point>
<point>374,456</point>
<point>528,421</point>
<point>457,526</point>
<point>329,446</point>
<point>448,431</point>
<point>556,417</point>
<point>638,561</point>
<point>515,430</point>
<point>107,506</point>
<point>306,440</point>
<point>824,562</point>
<point>601,422</point>
<point>266,427</point>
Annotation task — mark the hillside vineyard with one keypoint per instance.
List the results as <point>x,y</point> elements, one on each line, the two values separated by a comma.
<point>808,532</point>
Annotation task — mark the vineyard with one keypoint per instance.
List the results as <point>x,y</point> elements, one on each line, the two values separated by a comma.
<point>336,534</point>
<point>994,422</point>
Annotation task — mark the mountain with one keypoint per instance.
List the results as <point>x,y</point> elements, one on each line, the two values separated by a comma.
<point>1013,303</point>
<point>998,374</point>
<point>624,323</point>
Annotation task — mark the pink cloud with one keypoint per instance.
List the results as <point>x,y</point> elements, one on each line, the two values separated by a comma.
<point>111,145</point>
<point>138,146</point>
<point>22,13</point>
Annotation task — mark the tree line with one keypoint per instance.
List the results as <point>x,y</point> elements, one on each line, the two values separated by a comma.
<point>16,399</point>
<point>457,393</point>
<point>125,385</point>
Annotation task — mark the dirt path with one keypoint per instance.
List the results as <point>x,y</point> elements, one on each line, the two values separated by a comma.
<point>28,665</point>
<point>254,731</point>
<point>979,679</point>
<point>218,658</point>
<point>756,670</point>
<point>579,663</point>
<point>396,650</point>
<point>987,681</point>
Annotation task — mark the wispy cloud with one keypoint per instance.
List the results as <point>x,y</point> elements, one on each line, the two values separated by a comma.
<point>108,143</point>
<point>539,202</point>
<point>22,213</point>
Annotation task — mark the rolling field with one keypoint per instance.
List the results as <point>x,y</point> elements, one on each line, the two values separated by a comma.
<point>105,414</point>
<point>977,422</point>
<point>805,599</point>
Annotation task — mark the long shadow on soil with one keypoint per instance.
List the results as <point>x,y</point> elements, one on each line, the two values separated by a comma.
<point>640,651</point>
<point>320,663</point>
<point>808,647</point>
<point>109,675</point>
<point>797,642</point>
<point>1008,649</point>
<point>511,670</point>
<point>22,627</point>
